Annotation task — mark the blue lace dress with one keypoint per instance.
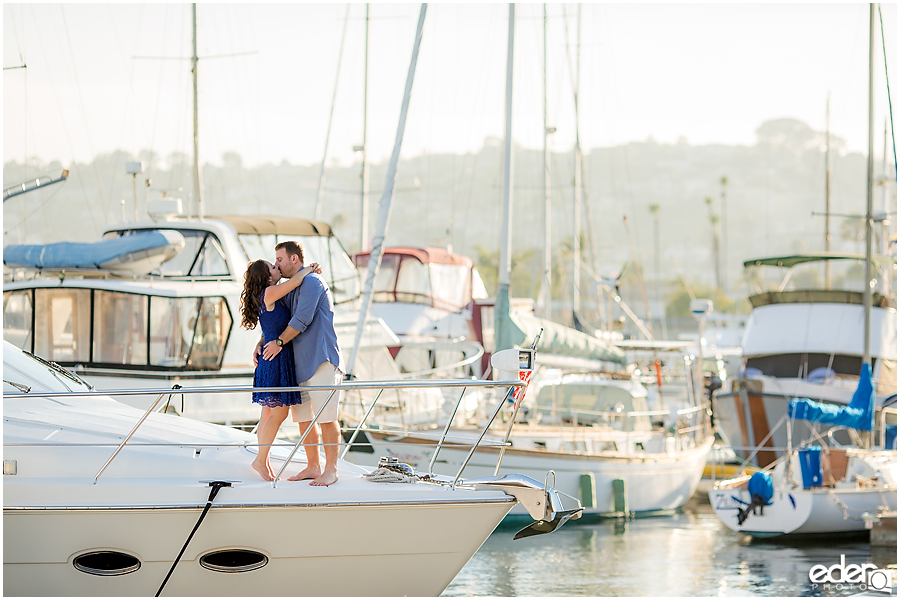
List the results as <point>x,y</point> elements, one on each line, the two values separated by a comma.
<point>278,372</point>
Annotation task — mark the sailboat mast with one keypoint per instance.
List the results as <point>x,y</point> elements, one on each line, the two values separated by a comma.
<point>545,286</point>
<point>576,226</point>
<point>502,334</point>
<point>384,205</point>
<point>364,199</point>
<point>867,287</point>
<point>198,198</point>
<point>828,189</point>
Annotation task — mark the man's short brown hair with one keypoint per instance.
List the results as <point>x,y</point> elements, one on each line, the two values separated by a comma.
<point>292,248</point>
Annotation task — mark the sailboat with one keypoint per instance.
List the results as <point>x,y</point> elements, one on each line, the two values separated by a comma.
<point>156,301</point>
<point>594,432</point>
<point>824,484</point>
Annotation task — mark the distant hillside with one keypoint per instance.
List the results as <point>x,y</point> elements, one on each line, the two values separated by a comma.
<point>773,187</point>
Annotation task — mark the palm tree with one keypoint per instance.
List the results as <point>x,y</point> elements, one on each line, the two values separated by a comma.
<point>724,182</point>
<point>714,221</point>
<point>654,210</point>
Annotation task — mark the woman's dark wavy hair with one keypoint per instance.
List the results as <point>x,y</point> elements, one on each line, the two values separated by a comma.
<point>256,279</point>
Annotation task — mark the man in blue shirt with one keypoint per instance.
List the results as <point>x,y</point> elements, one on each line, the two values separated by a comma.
<point>318,361</point>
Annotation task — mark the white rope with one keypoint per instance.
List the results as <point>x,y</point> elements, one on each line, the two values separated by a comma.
<point>382,475</point>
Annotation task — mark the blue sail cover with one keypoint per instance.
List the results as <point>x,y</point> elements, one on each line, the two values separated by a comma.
<point>97,255</point>
<point>856,415</point>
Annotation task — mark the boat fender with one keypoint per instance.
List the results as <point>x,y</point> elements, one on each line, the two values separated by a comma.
<point>761,491</point>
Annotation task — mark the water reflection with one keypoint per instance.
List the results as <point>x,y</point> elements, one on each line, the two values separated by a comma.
<point>687,554</point>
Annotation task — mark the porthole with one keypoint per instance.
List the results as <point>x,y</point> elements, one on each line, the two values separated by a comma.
<point>107,563</point>
<point>233,561</point>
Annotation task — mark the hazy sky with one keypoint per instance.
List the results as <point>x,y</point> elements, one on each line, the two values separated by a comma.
<point>710,73</point>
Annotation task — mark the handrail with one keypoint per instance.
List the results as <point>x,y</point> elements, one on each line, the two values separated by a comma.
<point>345,386</point>
<point>443,435</point>
<point>128,437</point>
<point>303,437</point>
<point>483,432</point>
<point>380,385</point>
<point>359,426</point>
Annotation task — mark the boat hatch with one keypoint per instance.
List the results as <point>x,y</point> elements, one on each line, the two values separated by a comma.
<point>233,561</point>
<point>106,563</point>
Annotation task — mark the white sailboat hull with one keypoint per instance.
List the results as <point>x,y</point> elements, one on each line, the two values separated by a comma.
<point>867,489</point>
<point>654,481</point>
<point>802,511</point>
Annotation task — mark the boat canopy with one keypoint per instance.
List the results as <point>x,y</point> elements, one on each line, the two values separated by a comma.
<point>791,261</point>
<point>264,225</point>
<point>133,253</point>
<point>430,276</point>
<point>818,278</point>
<point>856,415</point>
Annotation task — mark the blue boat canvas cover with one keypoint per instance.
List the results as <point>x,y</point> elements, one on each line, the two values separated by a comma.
<point>112,254</point>
<point>856,415</point>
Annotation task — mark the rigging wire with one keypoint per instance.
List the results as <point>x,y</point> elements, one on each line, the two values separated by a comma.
<point>129,91</point>
<point>159,85</point>
<point>25,218</point>
<point>888,83</point>
<point>240,88</point>
<point>579,149</point>
<point>59,106</point>
<point>331,115</point>
<point>80,102</point>
<point>184,92</point>
<point>476,102</point>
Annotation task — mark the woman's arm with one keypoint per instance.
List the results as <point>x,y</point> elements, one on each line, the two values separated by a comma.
<point>280,290</point>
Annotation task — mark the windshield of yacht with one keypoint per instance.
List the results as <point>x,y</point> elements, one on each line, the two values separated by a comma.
<point>202,255</point>
<point>25,370</point>
<point>337,268</point>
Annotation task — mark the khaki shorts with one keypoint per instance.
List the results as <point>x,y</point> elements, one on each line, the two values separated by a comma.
<point>326,374</point>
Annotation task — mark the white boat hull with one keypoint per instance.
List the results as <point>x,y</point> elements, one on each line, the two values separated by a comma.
<point>801,511</point>
<point>867,489</point>
<point>311,550</point>
<point>654,481</point>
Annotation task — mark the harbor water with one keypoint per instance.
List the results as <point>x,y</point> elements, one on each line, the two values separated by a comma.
<point>689,553</point>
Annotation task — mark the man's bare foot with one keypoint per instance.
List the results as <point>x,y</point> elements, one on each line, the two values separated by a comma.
<point>264,470</point>
<point>307,473</point>
<point>326,478</point>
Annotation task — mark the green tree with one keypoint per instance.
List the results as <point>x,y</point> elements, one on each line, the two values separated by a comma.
<point>522,279</point>
<point>679,302</point>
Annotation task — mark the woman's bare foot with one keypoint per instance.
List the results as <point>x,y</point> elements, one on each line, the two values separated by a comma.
<point>325,479</point>
<point>307,473</point>
<point>264,470</point>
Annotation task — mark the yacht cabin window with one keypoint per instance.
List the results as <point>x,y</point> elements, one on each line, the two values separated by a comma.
<point>406,279</point>
<point>17,318</point>
<point>62,331</point>
<point>120,328</point>
<point>102,327</point>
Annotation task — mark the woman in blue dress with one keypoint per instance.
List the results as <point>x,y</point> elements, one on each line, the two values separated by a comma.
<point>261,302</point>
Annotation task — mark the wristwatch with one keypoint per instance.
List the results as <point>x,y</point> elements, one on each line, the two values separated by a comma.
<point>279,342</point>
